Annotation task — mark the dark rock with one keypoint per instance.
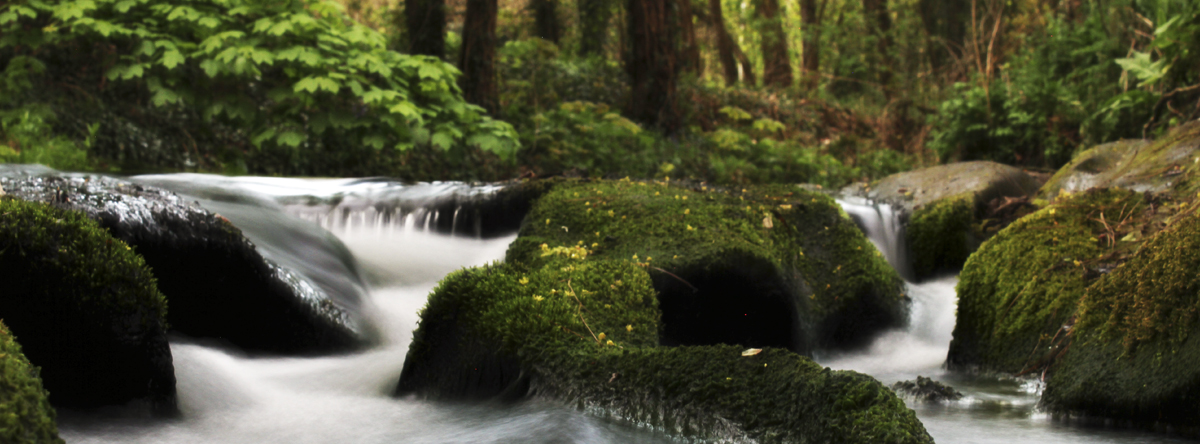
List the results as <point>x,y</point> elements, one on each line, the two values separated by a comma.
<point>219,286</point>
<point>85,308</point>
<point>927,390</point>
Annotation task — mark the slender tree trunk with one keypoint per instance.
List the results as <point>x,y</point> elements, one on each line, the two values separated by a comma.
<point>478,54</point>
<point>777,67</point>
<point>426,20</point>
<point>690,52</point>
<point>747,66</point>
<point>725,44</point>
<point>877,10</point>
<point>811,51</point>
<point>545,16</point>
<point>594,16</point>
<point>652,63</point>
<point>945,30</point>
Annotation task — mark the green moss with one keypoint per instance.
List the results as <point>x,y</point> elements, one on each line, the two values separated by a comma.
<point>803,235</point>
<point>25,413</point>
<point>1135,352</point>
<point>86,308</point>
<point>99,270</point>
<point>939,234</point>
<point>512,331</point>
<point>1023,284</point>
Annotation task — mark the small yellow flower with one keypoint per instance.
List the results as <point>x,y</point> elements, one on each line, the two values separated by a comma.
<point>610,342</point>
<point>687,211</point>
<point>1052,211</point>
<point>611,213</point>
<point>538,298</point>
<point>684,197</point>
<point>601,336</point>
<point>656,193</point>
<point>524,280</point>
<point>676,257</point>
<point>594,245</point>
<point>634,258</point>
<point>597,234</point>
<point>588,203</point>
<point>545,247</point>
<point>690,228</point>
<point>648,258</point>
<point>547,221</point>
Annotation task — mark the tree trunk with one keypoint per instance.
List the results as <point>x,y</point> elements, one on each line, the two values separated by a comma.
<point>652,64</point>
<point>944,22</point>
<point>725,44</point>
<point>478,54</point>
<point>426,20</point>
<point>594,16</point>
<point>877,10</point>
<point>690,53</point>
<point>545,16</point>
<point>811,51</point>
<point>777,67</point>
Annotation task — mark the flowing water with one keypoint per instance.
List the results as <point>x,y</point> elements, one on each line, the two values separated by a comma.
<point>390,231</point>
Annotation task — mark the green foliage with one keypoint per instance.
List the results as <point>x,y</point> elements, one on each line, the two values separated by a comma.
<point>286,74</point>
<point>26,132</point>
<point>589,137</point>
<point>26,416</point>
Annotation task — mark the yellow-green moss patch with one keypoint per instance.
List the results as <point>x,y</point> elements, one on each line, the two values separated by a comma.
<point>939,234</point>
<point>25,414</point>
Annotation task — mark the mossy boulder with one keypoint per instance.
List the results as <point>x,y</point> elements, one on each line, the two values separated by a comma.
<point>86,308</point>
<point>581,329</point>
<point>1016,294</point>
<point>26,416</point>
<point>948,210</point>
<point>776,266</point>
<point>1135,349</point>
<point>220,286</point>
<point>1167,163</point>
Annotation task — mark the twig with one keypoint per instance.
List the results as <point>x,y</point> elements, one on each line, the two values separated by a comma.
<point>579,312</point>
<point>694,289</point>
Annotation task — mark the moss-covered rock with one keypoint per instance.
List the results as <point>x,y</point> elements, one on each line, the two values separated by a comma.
<point>581,329</point>
<point>1135,349</point>
<point>948,210</point>
<point>775,266</point>
<point>219,284</point>
<point>86,308</point>
<point>1167,163</point>
<point>25,413</point>
<point>1023,285</point>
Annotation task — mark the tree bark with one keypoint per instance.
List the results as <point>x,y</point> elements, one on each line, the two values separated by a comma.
<point>690,52</point>
<point>545,16</point>
<point>725,44</point>
<point>594,16</point>
<point>811,50</point>
<point>777,67</point>
<point>478,54</point>
<point>877,10</point>
<point>426,20</point>
<point>944,22</point>
<point>652,64</point>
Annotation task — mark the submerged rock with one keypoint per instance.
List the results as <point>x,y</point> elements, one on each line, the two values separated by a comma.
<point>85,307</point>
<point>218,284</point>
<point>927,390</point>
<point>776,266</point>
<point>26,416</point>
<point>582,329</point>
<point>948,210</point>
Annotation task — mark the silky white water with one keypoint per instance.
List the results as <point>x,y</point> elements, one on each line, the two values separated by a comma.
<point>227,397</point>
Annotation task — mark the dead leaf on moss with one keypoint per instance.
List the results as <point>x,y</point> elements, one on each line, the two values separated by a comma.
<point>751,351</point>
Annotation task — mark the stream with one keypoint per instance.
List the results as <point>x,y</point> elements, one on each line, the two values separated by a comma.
<point>228,397</point>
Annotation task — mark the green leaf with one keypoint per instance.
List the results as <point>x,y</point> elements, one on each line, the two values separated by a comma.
<point>442,140</point>
<point>259,138</point>
<point>171,59</point>
<point>278,29</point>
<point>406,109</point>
<point>123,6</point>
<point>211,67</point>
<point>290,138</point>
<point>309,84</point>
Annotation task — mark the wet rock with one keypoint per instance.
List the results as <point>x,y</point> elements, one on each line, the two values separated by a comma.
<point>219,286</point>
<point>776,266</point>
<point>25,412</point>
<point>1138,165</point>
<point>85,308</point>
<point>582,330</point>
<point>948,210</point>
<point>927,390</point>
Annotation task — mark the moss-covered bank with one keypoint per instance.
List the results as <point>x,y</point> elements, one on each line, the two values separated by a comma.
<point>25,414</point>
<point>772,266</point>
<point>1135,350</point>
<point>581,329</point>
<point>1023,285</point>
<point>85,307</point>
<point>940,236</point>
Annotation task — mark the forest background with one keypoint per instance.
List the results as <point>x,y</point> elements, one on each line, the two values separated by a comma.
<point>724,91</point>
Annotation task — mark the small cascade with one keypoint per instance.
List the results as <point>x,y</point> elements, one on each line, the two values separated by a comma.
<point>884,227</point>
